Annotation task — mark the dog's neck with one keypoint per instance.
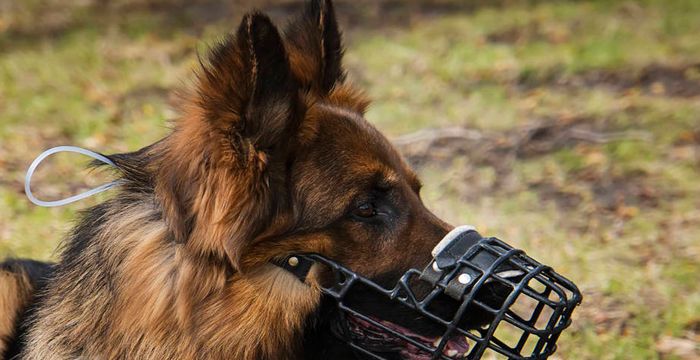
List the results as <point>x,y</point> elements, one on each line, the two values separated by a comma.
<point>259,314</point>
<point>164,300</point>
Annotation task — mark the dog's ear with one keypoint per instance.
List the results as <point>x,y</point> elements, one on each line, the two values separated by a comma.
<point>247,88</point>
<point>316,48</point>
<point>226,157</point>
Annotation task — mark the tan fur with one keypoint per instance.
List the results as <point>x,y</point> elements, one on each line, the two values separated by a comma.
<point>169,305</point>
<point>186,299</point>
<point>16,293</point>
<point>347,96</point>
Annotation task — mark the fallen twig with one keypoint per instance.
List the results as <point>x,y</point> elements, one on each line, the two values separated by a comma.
<point>602,138</point>
<point>540,138</point>
<point>439,134</point>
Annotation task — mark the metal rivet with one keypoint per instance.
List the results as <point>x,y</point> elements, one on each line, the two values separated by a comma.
<point>293,261</point>
<point>436,267</point>
<point>464,279</point>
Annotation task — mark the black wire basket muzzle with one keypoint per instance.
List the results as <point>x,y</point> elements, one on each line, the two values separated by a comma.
<point>528,308</point>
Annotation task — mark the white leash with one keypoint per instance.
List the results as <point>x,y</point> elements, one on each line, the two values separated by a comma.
<point>74,198</point>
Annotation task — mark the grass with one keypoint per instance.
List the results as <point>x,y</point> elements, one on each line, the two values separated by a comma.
<point>621,217</point>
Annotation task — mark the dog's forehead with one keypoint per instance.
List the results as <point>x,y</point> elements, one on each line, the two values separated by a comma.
<point>351,141</point>
<point>348,152</point>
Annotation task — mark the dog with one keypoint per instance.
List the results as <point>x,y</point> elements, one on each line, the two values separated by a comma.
<point>271,155</point>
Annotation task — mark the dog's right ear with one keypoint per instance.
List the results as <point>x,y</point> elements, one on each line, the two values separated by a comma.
<point>316,47</point>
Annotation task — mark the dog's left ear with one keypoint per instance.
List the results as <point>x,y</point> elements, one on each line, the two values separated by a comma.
<point>224,171</point>
<point>316,47</point>
<point>247,89</point>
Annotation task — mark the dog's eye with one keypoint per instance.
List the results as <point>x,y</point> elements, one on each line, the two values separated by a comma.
<point>365,210</point>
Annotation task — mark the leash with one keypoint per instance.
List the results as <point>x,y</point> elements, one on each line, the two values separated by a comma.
<point>71,199</point>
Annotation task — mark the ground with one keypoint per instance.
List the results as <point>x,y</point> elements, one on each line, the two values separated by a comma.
<point>570,129</point>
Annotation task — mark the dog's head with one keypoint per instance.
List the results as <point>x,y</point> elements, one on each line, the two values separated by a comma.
<point>273,156</point>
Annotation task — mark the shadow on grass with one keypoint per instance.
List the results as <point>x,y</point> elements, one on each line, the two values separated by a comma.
<point>29,23</point>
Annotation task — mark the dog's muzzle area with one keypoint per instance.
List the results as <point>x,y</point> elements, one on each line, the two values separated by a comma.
<point>477,296</point>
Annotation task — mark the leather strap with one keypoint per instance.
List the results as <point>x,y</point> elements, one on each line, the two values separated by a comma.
<point>299,266</point>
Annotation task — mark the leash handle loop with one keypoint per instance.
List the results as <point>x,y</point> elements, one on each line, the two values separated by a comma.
<point>74,198</point>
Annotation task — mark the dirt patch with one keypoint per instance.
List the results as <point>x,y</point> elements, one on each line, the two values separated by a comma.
<point>606,314</point>
<point>614,193</point>
<point>532,32</point>
<point>654,80</point>
<point>674,81</point>
<point>144,94</point>
<point>619,196</point>
<point>565,199</point>
<point>683,347</point>
<point>678,348</point>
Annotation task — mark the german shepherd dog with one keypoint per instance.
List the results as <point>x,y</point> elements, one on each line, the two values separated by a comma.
<point>270,156</point>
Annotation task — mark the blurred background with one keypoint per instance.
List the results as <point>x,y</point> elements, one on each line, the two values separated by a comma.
<point>570,129</point>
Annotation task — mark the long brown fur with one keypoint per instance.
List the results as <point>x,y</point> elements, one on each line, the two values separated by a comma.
<point>17,291</point>
<point>177,264</point>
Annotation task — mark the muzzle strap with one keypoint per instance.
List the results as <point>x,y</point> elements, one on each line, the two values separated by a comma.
<point>454,245</point>
<point>299,266</point>
<point>462,244</point>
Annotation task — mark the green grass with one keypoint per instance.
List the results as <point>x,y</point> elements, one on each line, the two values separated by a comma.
<point>629,238</point>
